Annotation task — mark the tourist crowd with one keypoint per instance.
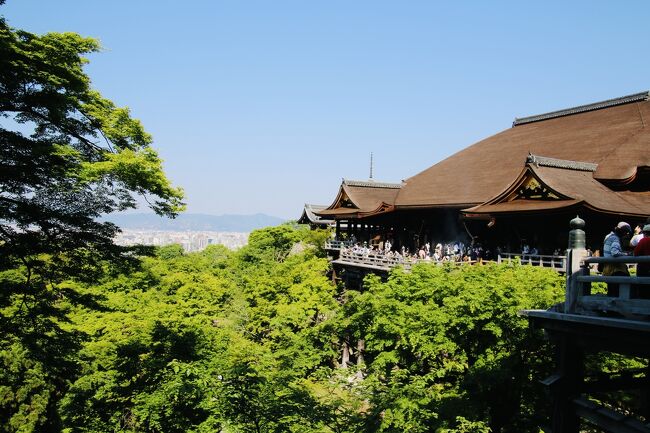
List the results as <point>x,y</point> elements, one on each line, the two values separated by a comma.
<point>447,252</point>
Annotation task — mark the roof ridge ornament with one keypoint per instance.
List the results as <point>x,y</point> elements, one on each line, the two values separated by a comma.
<point>545,161</point>
<point>642,96</point>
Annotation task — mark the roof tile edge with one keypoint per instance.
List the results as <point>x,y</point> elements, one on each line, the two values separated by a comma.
<point>372,184</point>
<point>642,96</point>
<point>545,161</point>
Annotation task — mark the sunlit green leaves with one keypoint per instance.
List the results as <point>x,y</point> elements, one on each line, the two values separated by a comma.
<point>446,341</point>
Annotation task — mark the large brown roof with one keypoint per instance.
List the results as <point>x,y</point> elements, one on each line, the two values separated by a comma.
<point>613,134</point>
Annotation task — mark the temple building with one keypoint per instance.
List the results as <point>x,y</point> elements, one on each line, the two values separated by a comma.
<point>519,186</point>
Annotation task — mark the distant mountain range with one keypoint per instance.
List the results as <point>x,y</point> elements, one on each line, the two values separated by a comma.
<point>195,222</point>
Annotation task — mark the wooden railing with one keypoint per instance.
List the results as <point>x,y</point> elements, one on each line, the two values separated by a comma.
<point>333,244</point>
<point>632,300</point>
<point>555,262</point>
<point>383,261</point>
<point>387,262</point>
<point>378,261</point>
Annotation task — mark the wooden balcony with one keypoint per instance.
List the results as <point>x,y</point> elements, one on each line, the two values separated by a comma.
<point>384,262</point>
<point>633,297</point>
<point>600,314</point>
<point>380,262</point>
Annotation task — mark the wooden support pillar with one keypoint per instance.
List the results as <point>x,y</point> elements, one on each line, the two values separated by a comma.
<point>565,385</point>
<point>345,357</point>
<point>361,347</point>
<point>338,230</point>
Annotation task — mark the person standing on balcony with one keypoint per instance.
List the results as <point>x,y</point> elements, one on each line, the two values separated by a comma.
<point>437,254</point>
<point>643,249</point>
<point>638,234</point>
<point>612,248</point>
<point>643,269</point>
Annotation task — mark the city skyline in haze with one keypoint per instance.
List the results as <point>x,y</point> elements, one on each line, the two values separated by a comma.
<point>259,107</point>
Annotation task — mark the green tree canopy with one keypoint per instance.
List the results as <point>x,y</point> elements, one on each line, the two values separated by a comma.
<point>67,156</point>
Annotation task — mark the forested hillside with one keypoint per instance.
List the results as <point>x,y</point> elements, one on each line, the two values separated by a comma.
<point>250,341</point>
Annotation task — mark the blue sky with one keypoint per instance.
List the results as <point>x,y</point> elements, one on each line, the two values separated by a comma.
<point>261,106</point>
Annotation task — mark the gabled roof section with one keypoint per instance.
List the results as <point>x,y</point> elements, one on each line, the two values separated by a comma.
<point>551,184</point>
<point>614,135</point>
<point>357,199</point>
<point>528,187</point>
<point>309,217</point>
<point>642,96</point>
